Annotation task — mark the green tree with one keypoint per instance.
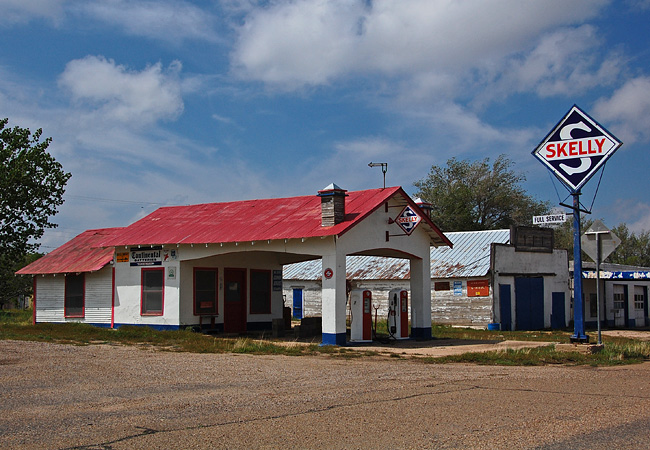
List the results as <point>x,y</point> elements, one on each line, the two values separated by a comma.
<point>32,184</point>
<point>564,235</point>
<point>634,249</point>
<point>468,196</point>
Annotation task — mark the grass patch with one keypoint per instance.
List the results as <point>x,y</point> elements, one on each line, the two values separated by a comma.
<point>449,332</point>
<point>17,325</point>
<point>612,354</point>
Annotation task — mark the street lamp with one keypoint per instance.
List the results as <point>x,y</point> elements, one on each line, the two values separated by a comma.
<point>384,169</point>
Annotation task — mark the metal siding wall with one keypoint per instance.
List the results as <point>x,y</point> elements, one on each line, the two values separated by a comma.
<point>451,309</point>
<point>50,291</point>
<point>98,297</point>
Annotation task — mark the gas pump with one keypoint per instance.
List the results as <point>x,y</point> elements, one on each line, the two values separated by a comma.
<point>398,313</point>
<point>361,315</point>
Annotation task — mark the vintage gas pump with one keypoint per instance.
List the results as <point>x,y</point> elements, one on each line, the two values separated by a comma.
<point>398,313</point>
<point>361,315</point>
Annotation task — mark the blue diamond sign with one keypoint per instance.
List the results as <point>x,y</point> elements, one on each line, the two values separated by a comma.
<point>576,148</point>
<point>408,220</point>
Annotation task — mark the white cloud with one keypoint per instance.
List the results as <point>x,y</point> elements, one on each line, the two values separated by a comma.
<point>119,94</point>
<point>311,42</point>
<point>165,20</point>
<point>564,62</point>
<point>629,110</point>
<point>22,11</point>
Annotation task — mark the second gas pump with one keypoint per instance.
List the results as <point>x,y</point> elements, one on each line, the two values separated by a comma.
<point>398,315</point>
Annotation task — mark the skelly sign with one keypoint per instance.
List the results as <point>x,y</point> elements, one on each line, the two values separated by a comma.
<point>576,148</point>
<point>408,220</point>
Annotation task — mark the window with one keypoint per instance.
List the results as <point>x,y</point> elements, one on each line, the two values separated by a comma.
<point>619,297</point>
<point>639,297</point>
<point>74,295</point>
<point>205,291</point>
<point>260,291</point>
<point>441,286</point>
<point>152,292</point>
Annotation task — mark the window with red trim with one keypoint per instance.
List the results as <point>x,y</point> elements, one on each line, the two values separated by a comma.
<point>205,291</point>
<point>152,292</point>
<point>74,295</point>
<point>260,291</point>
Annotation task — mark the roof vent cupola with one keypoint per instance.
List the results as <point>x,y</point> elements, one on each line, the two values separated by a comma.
<point>424,206</point>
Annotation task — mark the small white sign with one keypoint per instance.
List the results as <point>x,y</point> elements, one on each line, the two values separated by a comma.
<point>552,218</point>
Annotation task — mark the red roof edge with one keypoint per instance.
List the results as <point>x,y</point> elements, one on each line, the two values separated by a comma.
<point>75,256</point>
<point>390,192</point>
<point>427,219</point>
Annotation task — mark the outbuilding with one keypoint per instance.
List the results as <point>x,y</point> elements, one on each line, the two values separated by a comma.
<point>219,265</point>
<point>514,278</point>
<point>74,283</point>
<point>623,293</point>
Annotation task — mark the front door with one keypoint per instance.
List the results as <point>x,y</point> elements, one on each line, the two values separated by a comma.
<point>529,303</point>
<point>297,303</point>
<point>234,314</point>
<point>505,307</point>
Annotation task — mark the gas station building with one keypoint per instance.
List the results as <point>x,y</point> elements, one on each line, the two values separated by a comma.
<point>219,265</point>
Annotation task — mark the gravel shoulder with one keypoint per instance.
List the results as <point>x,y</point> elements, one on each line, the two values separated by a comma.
<point>118,397</point>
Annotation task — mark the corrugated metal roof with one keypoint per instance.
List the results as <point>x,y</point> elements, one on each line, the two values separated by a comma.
<point>256,220</point>
<point>469,257</point>
<point>75,256</point>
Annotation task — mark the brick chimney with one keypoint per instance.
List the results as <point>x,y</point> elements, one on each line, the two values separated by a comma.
<point>332,202</point>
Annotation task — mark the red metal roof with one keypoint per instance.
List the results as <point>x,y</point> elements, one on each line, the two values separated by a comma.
<point>80,254</point>
<point>254,220</point>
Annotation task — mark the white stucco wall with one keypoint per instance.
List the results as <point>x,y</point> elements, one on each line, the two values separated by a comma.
<point>178,308</point>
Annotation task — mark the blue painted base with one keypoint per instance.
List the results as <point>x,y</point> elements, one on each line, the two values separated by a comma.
<point>421,334</point>
<point>155,327</point>
<point>334,339</point>
<point>101,325</point>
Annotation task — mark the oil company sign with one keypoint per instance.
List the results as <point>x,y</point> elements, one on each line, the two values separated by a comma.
<point>408,220</point>
<point>576,148</point>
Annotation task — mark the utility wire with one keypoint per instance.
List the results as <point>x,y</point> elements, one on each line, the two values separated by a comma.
<point>82,197</point>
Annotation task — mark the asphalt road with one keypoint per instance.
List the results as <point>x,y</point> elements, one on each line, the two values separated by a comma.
<point>116,397</point>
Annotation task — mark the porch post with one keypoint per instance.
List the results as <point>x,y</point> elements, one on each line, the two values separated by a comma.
<point>334,300</point>
<point>421,298</point>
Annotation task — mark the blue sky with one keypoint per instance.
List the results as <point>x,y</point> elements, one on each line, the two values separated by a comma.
<point>153,103</point>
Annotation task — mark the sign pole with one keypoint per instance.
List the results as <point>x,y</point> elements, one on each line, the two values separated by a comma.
<point>598,258</point>
<point>578,313</point>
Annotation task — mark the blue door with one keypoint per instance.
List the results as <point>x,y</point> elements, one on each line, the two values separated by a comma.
<point>558,318</point>
<point>297,303</point>
<point>529,303</point>
<point>505,307</point>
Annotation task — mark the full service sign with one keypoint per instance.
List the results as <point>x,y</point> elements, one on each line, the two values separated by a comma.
<point>553,218</point>
<point>576,148</point>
